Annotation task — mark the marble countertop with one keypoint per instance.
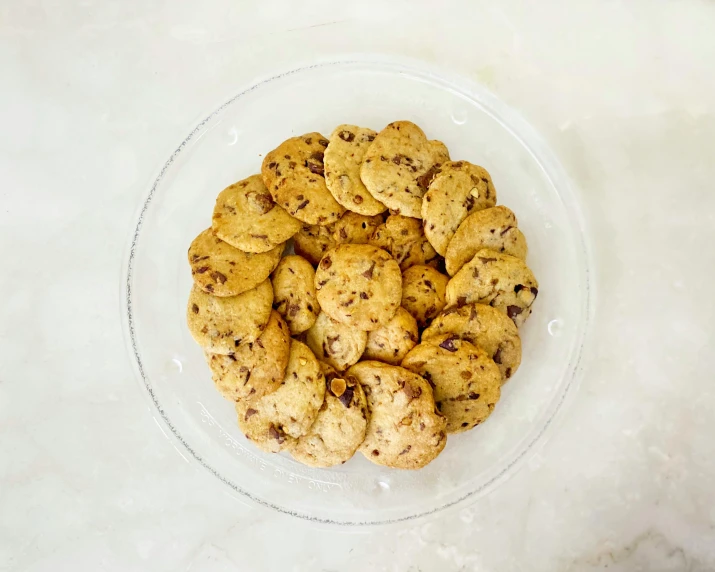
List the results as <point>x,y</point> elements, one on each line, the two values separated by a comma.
<point>94,97</point>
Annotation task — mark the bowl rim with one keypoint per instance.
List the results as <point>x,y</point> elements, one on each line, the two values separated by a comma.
<point>536,146</point>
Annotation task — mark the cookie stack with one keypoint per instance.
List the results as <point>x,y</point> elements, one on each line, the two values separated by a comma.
<point>393,324</point>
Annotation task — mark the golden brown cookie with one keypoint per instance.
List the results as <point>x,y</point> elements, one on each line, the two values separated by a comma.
<point>493,228</point>
<point>222,270</point>
<point>343,159</point>
<point>405,431</point>
<point>459,189</point>
<point>340,426</point>
<point>294,175</point>
<point>312,241</point>
<point>272,421</point>
<point>485,327</point>
<point>335,343</point>
<point>500,280</point>
<point>399,166</point>
<point>404,239</point>
<point>423,293</point>
<point>220,325</point>
<point>294,293</point>
<point>359,285</point>
<point>354,228</point>
<point>466,381</point>
<point>255,368</point>
<point>391,342</point>
<point>246,217</point>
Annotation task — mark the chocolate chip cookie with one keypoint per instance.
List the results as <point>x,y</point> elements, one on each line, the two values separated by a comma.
<point>340,426</point>
<point>485,327</point>
<point>255,368</point>
<point>343,159</point>
<point>223,270</point>
<point>494,228</point>
<point>399,166</point>
<point>406,431</point>
<point>423,293</point>
<point>220,325</point>
<point>246,217</point>
<point>354,228</point>
<point>294,293</point>
<point>335,343</point>
<point>466,381</point>
<point>459,189</point>
<point>272,421</point>
<point>359,285</point>
<point>500,280</point>
<point>294,174</point>
<point>391,342</point>
<point>312,241</point>
<point>404,239</point>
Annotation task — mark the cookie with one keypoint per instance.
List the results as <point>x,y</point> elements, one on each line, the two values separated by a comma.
<point>485,327</point>
<point>246,217</point>
<point>353,228</point>
<point>391,342</point>
<point>313,241</point>
<point>294,175</point>
<point>399,166</point>
<point>405,430</point>
<point>404,239</point>
<point>220,325</point>
<point>500,280</point>
<point>359,285</point>
<point>493,228</point>
<point>335,343</point>
<point>222,270</point>
<point>343,159</point>
<point>255,368</point>
<point>340,426</point>
<point>423,293</point>
<point>274,420</point>
<point>294,293</point>
<point>466,381</point>
<point>459,189</point>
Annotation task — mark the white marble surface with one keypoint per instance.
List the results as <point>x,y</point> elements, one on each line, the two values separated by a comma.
<point>93,97</point>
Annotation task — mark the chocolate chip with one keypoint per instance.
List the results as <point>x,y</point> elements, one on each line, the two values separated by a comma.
<point>461,301</point>
<point>343,233</point>
<point>357,199</point>
<point>513,311</point>
<point>473,395</point>
<point>219,277</point>
<point>209,287</point>
<point>249,412</point>
<point>429,284</point>
<point>272,165</point>
<point>448,344</point>
<point>406,450</point>
<point>201,270</point>
<point>308,140</point>
<point>302,205</point>
<point>275,434</point>
<point>534,291</point>
<point>497,356</point>
<point>469,203</point>
<point>375,453</point>
<point>346,136</point>
<point>424,181</point>
<point>369,271</point>
<point>466,374</point>
<point>364,296</point>
<point>194,308</point>
<point>323,142</point>
<point>507,373</point>
<point>346,397</point>
<point>486,259</point>
<point>317,156</point>
<point>411,392</point>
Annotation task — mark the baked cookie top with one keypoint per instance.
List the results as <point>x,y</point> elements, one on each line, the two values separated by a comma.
<point>405,240</point>
<point>466,381</point>
<point>494,228</point>
<point>335,343</point>
<point>255,368</point>
<point>423,293</point>
<point>359,285</point>
<point>405,431</point>
<point>391,342</point>
<point>294,174</point>
<point>485,327</point>
<point>456,191</point>
<point>223,270</point>
<point>343,159</point>
<point>500,280</point>
<point>340,426</point>
<point>294,293</point>
<point>399,166</point>
<point>246,217</point>
<point>220,325</point>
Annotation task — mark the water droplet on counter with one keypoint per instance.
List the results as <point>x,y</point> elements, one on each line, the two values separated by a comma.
<point>459,116</point>
<point>178,366</point>
<point>384,485</point>
<point>232,136</point>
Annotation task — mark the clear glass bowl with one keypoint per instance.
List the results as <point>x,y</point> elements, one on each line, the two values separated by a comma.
<point>229,145</point>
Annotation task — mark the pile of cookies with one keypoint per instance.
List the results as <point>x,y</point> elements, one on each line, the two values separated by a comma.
<point>395,321</point>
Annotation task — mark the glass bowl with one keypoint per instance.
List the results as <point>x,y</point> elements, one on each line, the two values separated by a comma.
<point>229,145</point>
